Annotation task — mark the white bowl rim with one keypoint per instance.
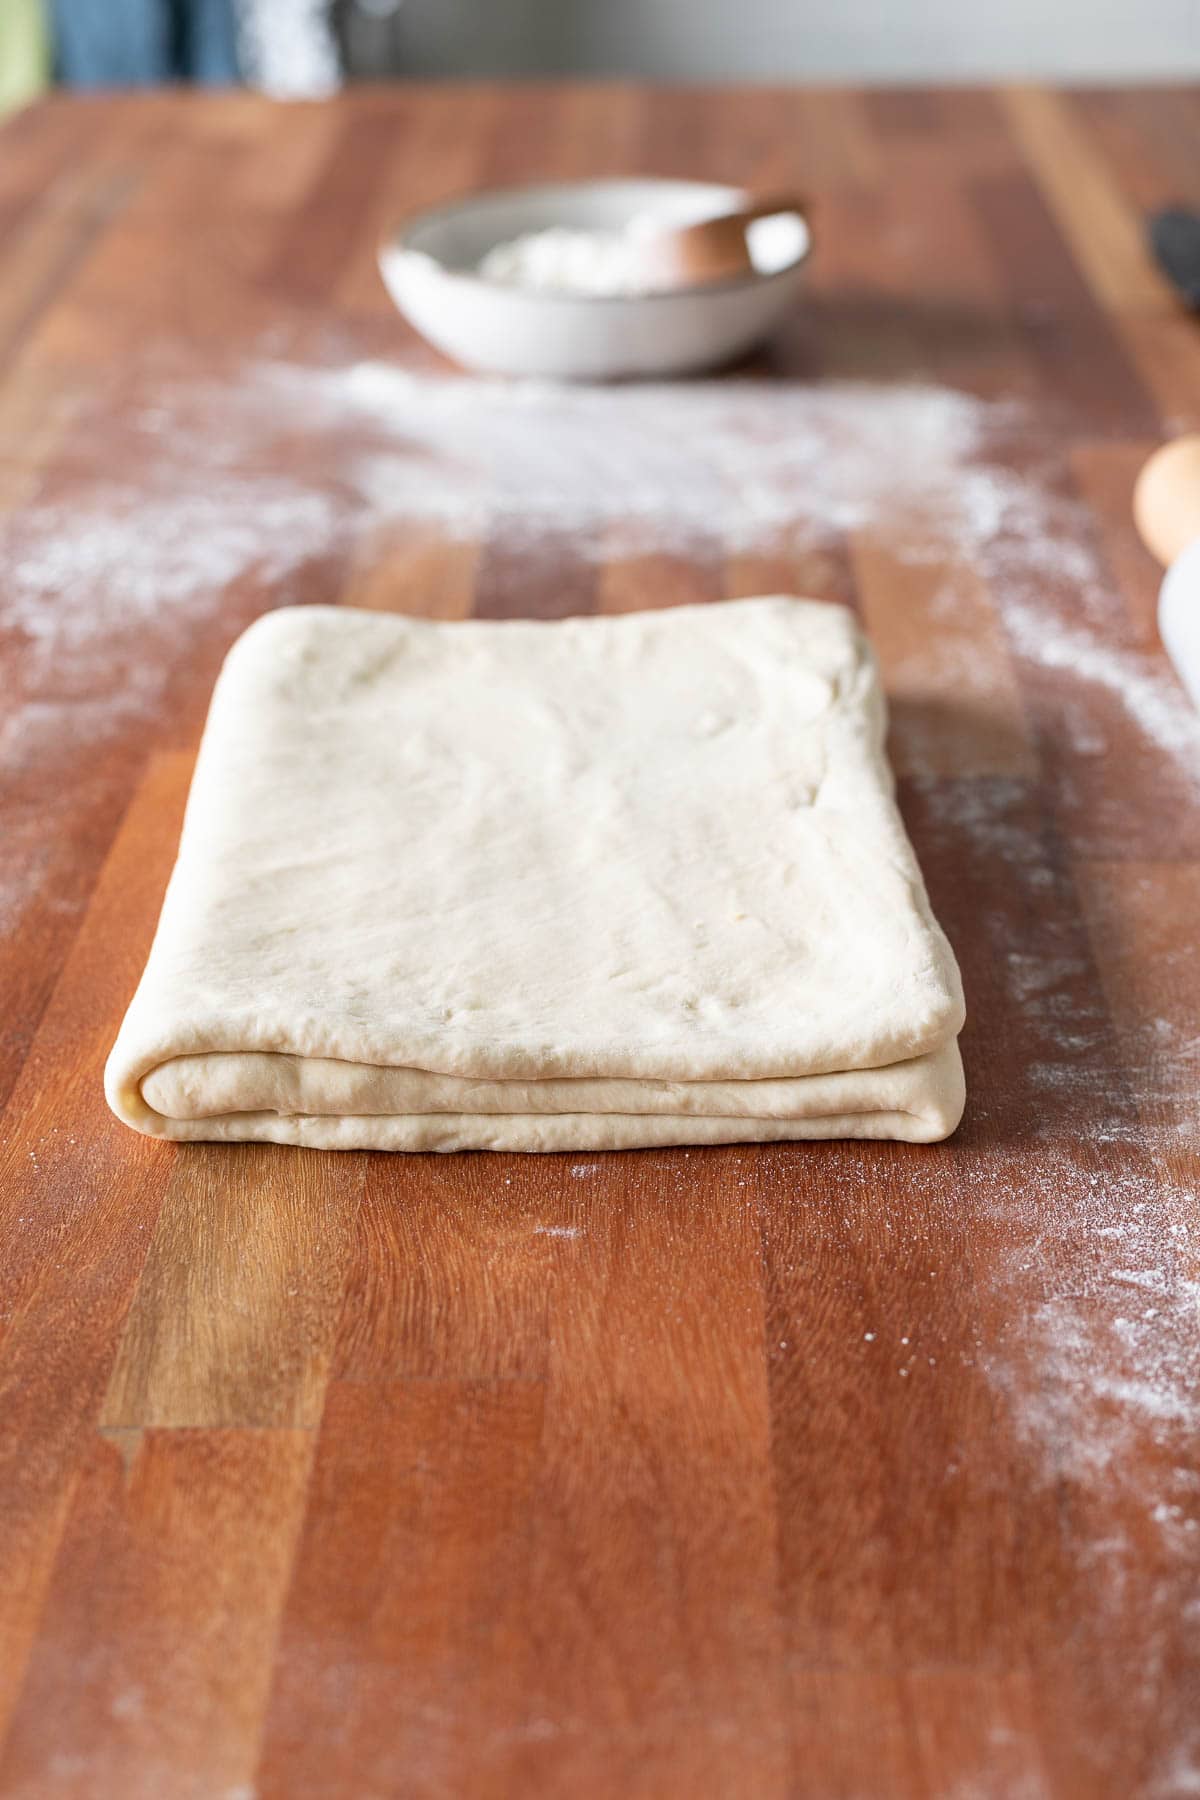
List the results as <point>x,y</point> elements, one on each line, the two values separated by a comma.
<point>396,239</point>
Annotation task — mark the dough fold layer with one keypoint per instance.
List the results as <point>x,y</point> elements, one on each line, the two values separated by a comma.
<point>596,884</point>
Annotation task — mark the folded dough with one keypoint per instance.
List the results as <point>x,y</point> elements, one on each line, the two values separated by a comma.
<point>587,885</point>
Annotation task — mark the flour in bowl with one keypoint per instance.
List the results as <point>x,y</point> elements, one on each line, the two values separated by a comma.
<point>563,260</point>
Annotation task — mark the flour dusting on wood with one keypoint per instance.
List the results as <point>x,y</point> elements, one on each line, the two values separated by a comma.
<point>743,465</point>
<point>112,586</point>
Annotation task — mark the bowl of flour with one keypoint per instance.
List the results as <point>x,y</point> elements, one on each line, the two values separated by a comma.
<point>548,280</point>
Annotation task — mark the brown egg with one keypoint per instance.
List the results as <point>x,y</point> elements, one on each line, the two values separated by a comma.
<point>1166,499</point>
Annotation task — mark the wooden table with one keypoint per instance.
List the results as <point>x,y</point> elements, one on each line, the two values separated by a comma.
<point>827,1470</point>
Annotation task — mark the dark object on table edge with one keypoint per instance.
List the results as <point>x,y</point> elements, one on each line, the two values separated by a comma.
<point>1175,240</point>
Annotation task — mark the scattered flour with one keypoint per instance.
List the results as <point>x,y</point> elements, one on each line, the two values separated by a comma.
<point>1144,687</point>
<point>158,549</point>
<point>126,577</point>
<point>744,463</point>
<point>739,466</point>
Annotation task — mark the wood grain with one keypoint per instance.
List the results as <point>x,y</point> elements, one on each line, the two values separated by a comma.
<point>841,1472</point>
<point>408,1592</point>
<point>172,1570</point>
<point>234,1317</point>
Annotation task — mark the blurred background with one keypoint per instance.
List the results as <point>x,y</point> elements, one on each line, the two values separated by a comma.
<point>295,48</point>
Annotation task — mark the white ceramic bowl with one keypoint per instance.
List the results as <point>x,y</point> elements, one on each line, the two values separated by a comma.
<point>430,265</point>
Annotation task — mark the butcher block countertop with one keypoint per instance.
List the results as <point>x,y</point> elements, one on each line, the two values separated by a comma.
<point>829,1470</point>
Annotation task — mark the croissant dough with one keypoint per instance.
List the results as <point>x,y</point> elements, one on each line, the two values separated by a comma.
<point>587,885</point>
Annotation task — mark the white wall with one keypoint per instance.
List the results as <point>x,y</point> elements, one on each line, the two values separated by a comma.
<point>794,40</point>
<point>922,40</point>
